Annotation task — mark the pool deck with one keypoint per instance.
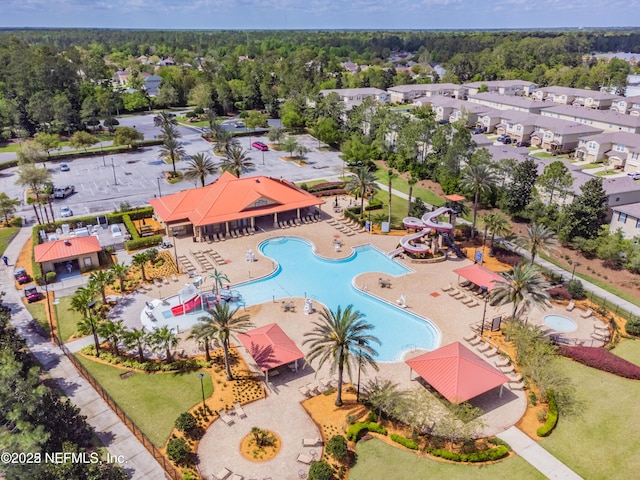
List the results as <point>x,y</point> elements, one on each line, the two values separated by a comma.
<point>281,410</point>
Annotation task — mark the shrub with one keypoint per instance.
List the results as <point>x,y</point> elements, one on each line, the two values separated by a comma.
<point>320,471</point>
<point>482,456</point>
<point>602,359</point>
<point>633,326</point>
<point>552,417</point>
<point>559,292</point>
<point>575,288</point>
<point>337,447</point>
<point>318,187</point>
<point>404,441</point>
<point>131,228</point>
<point>143,242</point>
<point>51,277</point>
<point>185,422</point>
<point>178,449</point>
<point>372,417</point>
<point>354,431</point>
<point>351,419</point>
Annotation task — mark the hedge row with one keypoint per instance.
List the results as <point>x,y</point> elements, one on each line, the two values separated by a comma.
<point>356,428</point>
<point>329,193</point>
<point>404,441</point>
<point>143,242</point>
<point>137,214</point>
<point>489,455</point>
<point>318,187</point>
<point>131,228</point>
<point>602,359</point>
<point>552,417</point>
<point>148,365</point>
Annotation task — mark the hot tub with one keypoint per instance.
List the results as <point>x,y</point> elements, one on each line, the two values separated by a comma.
<point>560,323</point>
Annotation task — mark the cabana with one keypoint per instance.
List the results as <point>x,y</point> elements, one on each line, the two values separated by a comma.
<point>457,373</point>
<point>270,348</point>
<point>480,276</point>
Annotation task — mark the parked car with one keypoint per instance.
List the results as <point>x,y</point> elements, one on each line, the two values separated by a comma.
<point>63,192</point>
<point>505,139</point>
<point>478,130</point>
<point>21,276</point>
<point>239,124</point>
<point>32,294</point>
<point>66,212</point>
<point>260,146</point>
<point>116,232</point>
<point>523,144</point>
<point>634,175</point>
<point>64,167</point>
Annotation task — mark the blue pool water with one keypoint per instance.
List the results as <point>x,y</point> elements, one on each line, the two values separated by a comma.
<point>301,273</point>
<point>560,323</point>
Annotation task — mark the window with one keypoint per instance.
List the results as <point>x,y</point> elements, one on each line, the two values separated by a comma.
<point>592,145</point>
<point>638,223</point>
<point>622,217</point>
<point>619,148</point>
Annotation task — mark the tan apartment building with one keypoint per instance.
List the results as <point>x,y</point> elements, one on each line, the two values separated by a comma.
<point>612,148</point>
<point>606,120</point>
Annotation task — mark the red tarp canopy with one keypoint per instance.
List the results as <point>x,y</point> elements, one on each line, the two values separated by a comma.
<point>270,347</point>
<point>455,198</point>
<point>456,372</point>
<point>479,275</point>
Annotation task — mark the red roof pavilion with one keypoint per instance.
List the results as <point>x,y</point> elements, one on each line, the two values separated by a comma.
<point>479,275</point>
<point>60,249</point>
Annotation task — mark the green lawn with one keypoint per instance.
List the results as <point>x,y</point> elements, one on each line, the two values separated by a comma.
<point>379,461</point>
<point>185,121</point>
<point>37,311</point>
<point>6,235</point>
<point>9,147</point>
<point>599,443</point>
<point>548,155</point>
<point>605,173</point>
<point>152,401</point>
<point>67,318</point>
<point>629,350</point>
<point>401,185</point>
<point>589,166</point>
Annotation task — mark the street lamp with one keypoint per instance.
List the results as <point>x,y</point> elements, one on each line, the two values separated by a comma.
<point>55,310</point>
<point>360,345</point>
<point>484,312</point>
<point>575,265</point>
<point>175,249</point>
<point>46,292</point>
<point>159,191</point>
<point>115,181</point>
<point>201,376</point>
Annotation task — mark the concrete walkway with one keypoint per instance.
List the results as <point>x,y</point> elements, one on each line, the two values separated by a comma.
<point>537,456</point>
<point>114,435</point>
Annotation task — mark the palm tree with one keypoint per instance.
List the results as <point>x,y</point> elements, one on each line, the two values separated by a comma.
<point>412,181</point>
<point>497,224</point>
<point>383,395</point>
<point>340,337</point>
<point>218,278</point>
<point>215,129</point>
<point>172,149</point>
<point>203,332</point>
<point>113,332</point>
<point>100,281</point>
<point>538,237</point>
<point>164,118</point>
<point>81,300</point>
<point>225,140</point>
<point>140,260</point>
<point>212,116</point>
<point>137,338</point>
<point>390,176</point>
<point>120,271</point>
<point>525,284</point>
<point>89,326</point>
<point>199,166</point>
<point>223,324</point>
<point>363,184</point>
<point>169,130</point>
<point>236,161</point>
<point>165,339</point>
<point>478,178</point>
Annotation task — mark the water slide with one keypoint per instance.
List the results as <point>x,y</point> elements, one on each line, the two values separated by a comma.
<point>427,223</point>
<point>187,306</point>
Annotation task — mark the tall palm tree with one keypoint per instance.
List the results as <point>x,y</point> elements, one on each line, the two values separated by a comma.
<point>81,300</point>
<point>218,277</point>
<point>120,271</point>
<point>223,324</point>
<point>100,280</point>
<point>223,141</point>
<point>165,339</point>
<point>362,183</point>
<point>89,326</point>
<point>236,161</point>
<point>199,166</point>
<point>524,284</point>
<point>113,332</point>
<point>383,395</point>
<point>497,224</point>
<point>164,118</point>
<point>171,148</point>
<point>478,178</point>
<point>140,260</point>
<point>202,332</point>
<point>212,118</point>
<point>411,181</point>
<point>390,176</point>
<point>169,130</point>
<point>341,338</point>
<point>538,237</point>
<point>137,338</point>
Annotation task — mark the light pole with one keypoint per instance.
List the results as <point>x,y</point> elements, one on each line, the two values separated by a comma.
<point>263,157</point>
<point>159,191</point>
<point>46,292</point>
<point>55,310</point>
<point>201,376</point>
<point>115,181</point>
<point>175,249</point>
<point>575,265</point>
<point>484,312</point>
<point>360,345</point>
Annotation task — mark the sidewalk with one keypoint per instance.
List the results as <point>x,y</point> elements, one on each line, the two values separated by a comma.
<point>114,435</point>
<point>537,456</point>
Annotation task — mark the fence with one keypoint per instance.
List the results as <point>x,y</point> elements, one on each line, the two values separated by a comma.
<point>172,472</point>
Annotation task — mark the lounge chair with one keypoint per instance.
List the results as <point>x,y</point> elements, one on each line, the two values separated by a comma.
<point>491,352</point>
<point>587,314</point>
<point>325,382</point>
<point>304,391</point>
<point>502,362</point>
<point>226,419</point>
<point>236,476</point>
<point>473,303</point>
<point>516,386</point>
<point>602,328</point>
<point>239,411</point>
<point>475,341</point>
<point>469,336</point>
<point>447,288</point>
<point>517,378</point>
<point>458,295</point>
<point>571,306</point>
<point>508,369</point>
<point>222,474</point>
<point>484,347</point>
<point>304,458</point>
<point>311,442</point>
<point>466,300</point>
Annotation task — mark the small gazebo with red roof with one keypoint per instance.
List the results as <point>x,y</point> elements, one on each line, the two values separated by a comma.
<point>457,373</point>
<point>270,348</point>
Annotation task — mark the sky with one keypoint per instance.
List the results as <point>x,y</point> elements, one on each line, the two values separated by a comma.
<point>319,14</point>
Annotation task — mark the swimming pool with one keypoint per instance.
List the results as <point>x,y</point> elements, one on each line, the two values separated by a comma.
<point>560,323</point>
<point>301,273</point>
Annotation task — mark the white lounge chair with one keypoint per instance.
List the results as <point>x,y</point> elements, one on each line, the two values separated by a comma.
<point>239,411</point>
<point>587,314</point>
<point>470,336</point>
<point>311,442</point>
<point>222,474</point>
<point>304,458</point>
<point>226,419</point>
<point>447,288</point>
<point>571,306</point>
<point>304,391</point>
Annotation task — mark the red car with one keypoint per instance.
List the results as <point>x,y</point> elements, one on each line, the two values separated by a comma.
<point>32,294</point>
<point>21,276</point>
<point>260,146</point>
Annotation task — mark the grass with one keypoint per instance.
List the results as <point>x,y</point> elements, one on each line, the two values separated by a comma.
<point>548,155</point>
<point>185,121</point>
<point>9,147</point>
<point>629,350</point>
<point>67,318</point>
<point>152,401</point>
<point>37,311</point>
<point>312,183</point>
<point>597,443</point>
<point>589,166</point>
<point>6,235</point>
<point>401,185</point>
<point>380,461</point>
<point>606,173</point>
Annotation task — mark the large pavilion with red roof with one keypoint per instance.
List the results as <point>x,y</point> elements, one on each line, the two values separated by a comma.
<point>480,276</point>
<point>80,252</point>
<point>270,348</point>
<point>457,373</point>
<point>230,203</point>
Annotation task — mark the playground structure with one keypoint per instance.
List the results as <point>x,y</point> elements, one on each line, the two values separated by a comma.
<point>425,226</point>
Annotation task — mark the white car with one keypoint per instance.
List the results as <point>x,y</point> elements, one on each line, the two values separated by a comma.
<point>66,212</point>
<point>64,167</point>
<point>116,232</point>
<point>634,175</point>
